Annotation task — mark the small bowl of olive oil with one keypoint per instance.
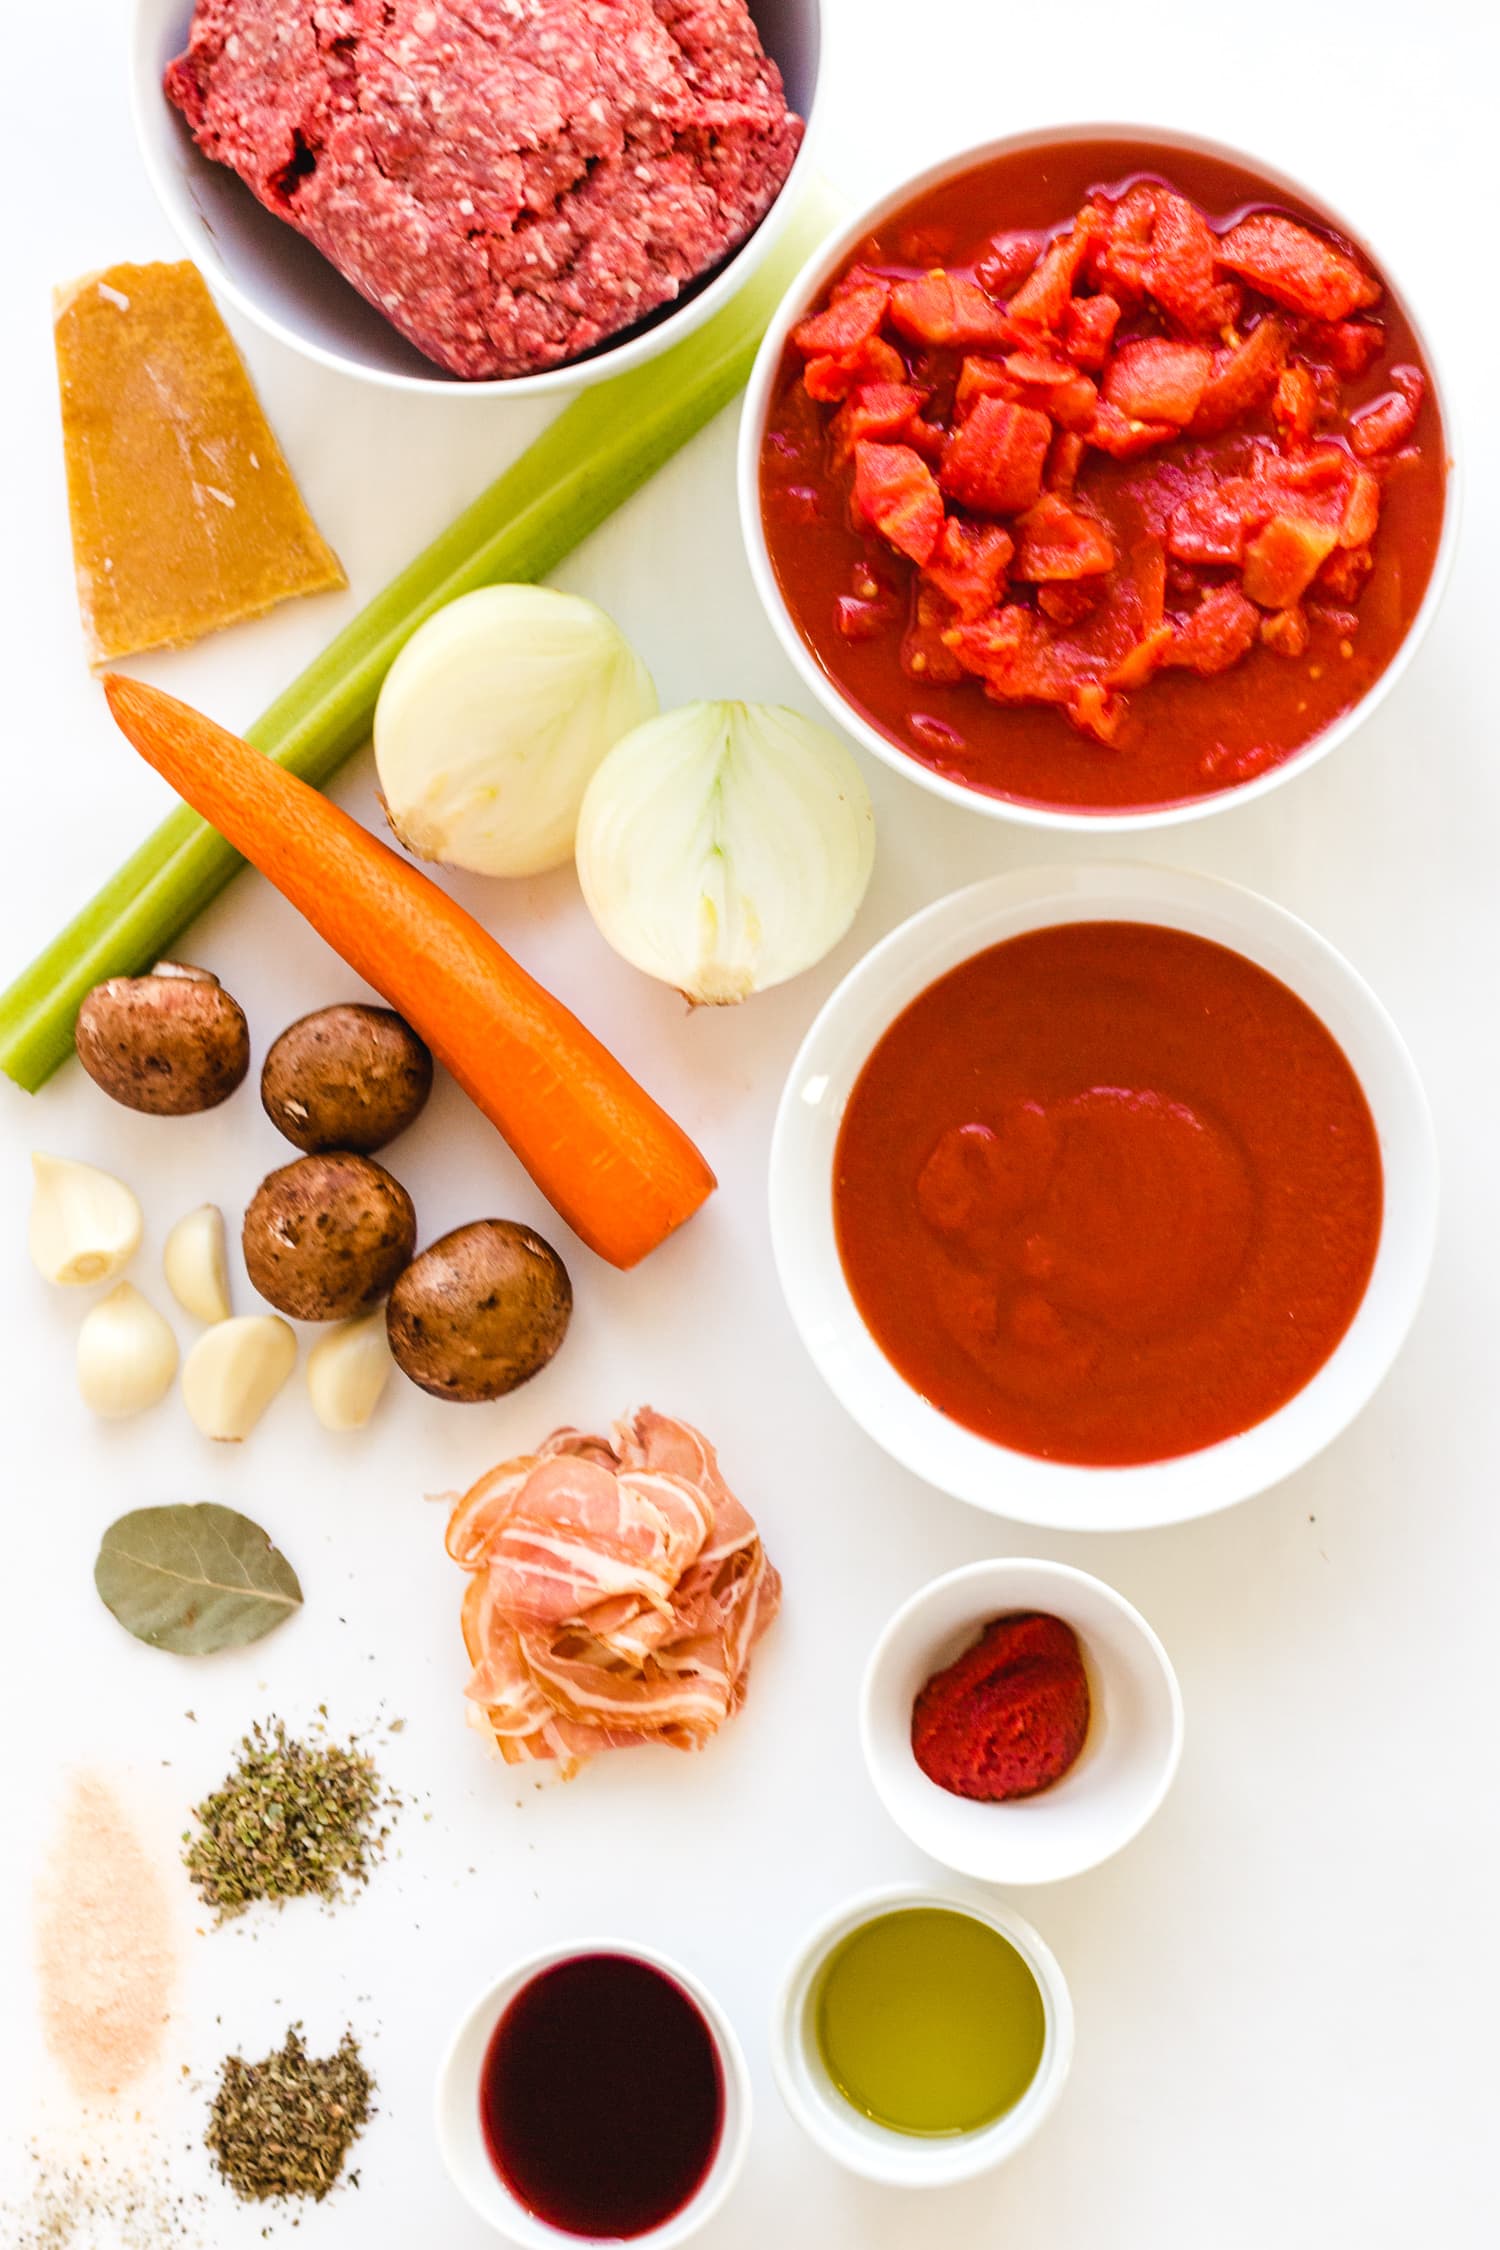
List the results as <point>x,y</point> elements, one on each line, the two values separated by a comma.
<point>922,2036</point>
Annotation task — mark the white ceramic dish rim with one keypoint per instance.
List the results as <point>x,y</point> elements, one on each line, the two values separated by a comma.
<point>153,123</point>
<point>820,268</point>
<point>456,2105</point>
<point>1002,1585</point>
<point>1023,1487</point>
<point>874,2151</point>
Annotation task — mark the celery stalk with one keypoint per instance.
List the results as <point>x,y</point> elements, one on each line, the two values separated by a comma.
<point>599,450</point>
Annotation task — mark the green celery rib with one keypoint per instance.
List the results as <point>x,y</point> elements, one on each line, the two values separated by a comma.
<point>588,461</point>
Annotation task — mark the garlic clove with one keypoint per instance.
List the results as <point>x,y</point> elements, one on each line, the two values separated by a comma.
<point>127,1355</point>
<point>234,1371</point>
<point>347,1370</point>
<point>85,1224</point>
<point>195,1265</point>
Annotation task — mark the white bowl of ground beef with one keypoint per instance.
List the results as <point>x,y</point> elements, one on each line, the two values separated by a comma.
<point>513,195</point>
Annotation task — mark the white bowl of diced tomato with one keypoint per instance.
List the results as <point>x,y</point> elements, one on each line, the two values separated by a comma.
<point>1098,478</point>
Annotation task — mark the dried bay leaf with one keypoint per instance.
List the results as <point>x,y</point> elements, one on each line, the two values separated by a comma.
<point>194,1577</point>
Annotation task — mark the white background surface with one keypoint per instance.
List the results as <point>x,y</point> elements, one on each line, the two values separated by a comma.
<point>1286,1989</point>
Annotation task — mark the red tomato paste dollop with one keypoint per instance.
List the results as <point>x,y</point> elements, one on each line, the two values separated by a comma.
<point>1107,1193</point>
<point>1092,486</point>
<point>1010,1716</point>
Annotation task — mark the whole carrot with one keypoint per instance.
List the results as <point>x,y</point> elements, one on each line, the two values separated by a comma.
<point>602,1152</point>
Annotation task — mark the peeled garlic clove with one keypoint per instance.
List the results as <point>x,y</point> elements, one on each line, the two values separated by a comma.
<point>85,1224</point>
<point>347,1371</point>
<point>234,1371</point>
<point>194,1263</point>
<point>127,1355</point>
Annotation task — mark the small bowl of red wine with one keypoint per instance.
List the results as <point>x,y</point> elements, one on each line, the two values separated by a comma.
<point>594,2095</point>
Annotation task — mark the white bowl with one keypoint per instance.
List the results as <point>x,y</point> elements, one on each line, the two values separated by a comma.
<point>1061,1495</point>
<point>461,2134</point>
<point>857,2142</point>
<point>804,291</point>
<point>267,269</point>
<point>1122,1773</point>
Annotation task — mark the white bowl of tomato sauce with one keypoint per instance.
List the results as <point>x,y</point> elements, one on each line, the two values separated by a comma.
<point>1098,478</point>
<point>1103,1197</point>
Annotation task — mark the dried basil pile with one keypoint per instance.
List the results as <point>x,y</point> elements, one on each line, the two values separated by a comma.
<point>293,1819</point>
<point>283,2126</point>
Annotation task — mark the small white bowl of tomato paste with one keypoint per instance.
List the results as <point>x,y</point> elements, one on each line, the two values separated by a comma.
<point>1098,478</point>
<point>1020,1720</point>
<point>1103,1196</point>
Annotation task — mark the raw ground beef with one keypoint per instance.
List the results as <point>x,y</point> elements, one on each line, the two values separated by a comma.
<point>510,181</point>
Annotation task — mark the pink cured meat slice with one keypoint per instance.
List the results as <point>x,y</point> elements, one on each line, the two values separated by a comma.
<point>619,1591</point>
<point>576,1534</point>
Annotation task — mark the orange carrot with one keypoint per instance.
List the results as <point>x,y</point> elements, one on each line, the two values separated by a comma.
<point>613,1163</point>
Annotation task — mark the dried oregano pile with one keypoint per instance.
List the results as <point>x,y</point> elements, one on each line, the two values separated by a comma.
<point>284,2125</point>
<point>294,1818</point>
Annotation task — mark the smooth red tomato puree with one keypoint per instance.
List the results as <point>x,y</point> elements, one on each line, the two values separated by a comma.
<point>1107,1193</point>
<point>1193,727</point>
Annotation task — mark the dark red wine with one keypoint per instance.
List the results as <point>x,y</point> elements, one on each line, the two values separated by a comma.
<point>602,2097</point>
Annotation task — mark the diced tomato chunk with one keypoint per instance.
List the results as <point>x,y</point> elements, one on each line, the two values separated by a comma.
<point>1069,602</point>
<point>1094,711</point>
<point>1009,259</point>
<point>1120,256</point>
<point>980,377</point>
<point>1123,438</point>
<point>1064,460</point>
<point>1157,379</point>
<point>1287,262</point>
<point>946,308</point>
<point>1039,368</point>
<point>969,564</point>
<point>1361,511</point>
<point>1345,572</point>
<point>1045,296</point>
<point>1028,378</point>
<point>1388,421</point>
<point>875,410</point>
<point>833,375</point>
<point>1208,528</point>
<point>1243,378</point>
<point>896,494</point>
<point>848,321</point>
<point>1087,329</point>
<point>1054,540</point>
<point>1282,561</point>
<point>1149,654</point>
<point>858,277</point>
<point>1322,471</point>
<point>1286,631</point>
<point>1294,403</point>
<point>925,654</point>
<point>994,460</point>
<point>1219,632</point>
<point>1179,268</point>
<point>926,438</point>
<point>1348,346</point>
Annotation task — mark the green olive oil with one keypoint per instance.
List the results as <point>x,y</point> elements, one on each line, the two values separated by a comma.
<point>930,2022</point>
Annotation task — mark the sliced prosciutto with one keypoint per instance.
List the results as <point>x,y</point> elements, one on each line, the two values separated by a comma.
<point>618,1589</point>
